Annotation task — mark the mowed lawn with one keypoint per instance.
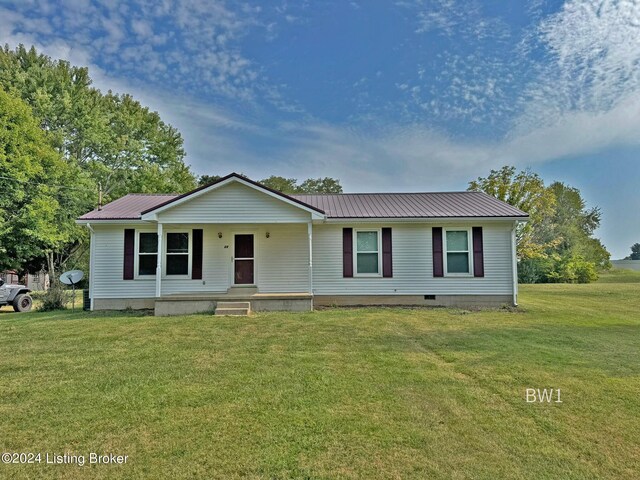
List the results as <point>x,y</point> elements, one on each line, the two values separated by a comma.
<point>345,393</point>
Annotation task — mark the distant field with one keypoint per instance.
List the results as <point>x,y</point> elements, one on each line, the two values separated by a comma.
<point>627,264</point>
<point>357,393</point>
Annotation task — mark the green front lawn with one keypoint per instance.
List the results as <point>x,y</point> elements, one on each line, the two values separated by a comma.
<point>353,393</point>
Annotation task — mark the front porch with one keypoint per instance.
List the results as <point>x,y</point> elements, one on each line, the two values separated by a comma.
<point>183,304</point>
<point>232,241</point>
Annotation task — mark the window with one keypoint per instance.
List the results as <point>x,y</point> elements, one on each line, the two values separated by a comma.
<point>458,258</point>
<point>367,256</point>
<point>177,253</point>
<point>147,253</point>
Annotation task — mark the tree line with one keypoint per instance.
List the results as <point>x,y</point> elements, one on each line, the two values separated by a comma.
<point>635,252</point>
<point>289,186</point>
<point>63,140</point>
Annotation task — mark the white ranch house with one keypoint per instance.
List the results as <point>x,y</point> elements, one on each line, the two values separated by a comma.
<point>238,240</point>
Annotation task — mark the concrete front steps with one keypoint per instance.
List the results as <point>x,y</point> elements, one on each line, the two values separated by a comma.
<point>233,308</point>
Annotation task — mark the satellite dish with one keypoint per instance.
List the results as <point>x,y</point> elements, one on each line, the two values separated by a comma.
<point>71,277</point>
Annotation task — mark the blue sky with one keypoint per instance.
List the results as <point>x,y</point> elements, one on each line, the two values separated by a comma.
<point>407,95</point>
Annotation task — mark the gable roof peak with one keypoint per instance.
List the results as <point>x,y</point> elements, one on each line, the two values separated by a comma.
<point>243,179</point>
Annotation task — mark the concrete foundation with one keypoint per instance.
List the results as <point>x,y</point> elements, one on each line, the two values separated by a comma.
<point>293,302</point>
<point>123,303</point>
<point>414,300</point>
<point>282,304</point>
<point>185,306</point>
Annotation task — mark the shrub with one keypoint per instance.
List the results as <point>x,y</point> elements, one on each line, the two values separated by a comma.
<point>535,270</point>
<point>573,269</point>
<point>585,272</point>
<point>557,269</point>
<point>55,298</point>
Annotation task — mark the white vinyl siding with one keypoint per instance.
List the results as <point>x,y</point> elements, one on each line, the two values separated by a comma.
<point>283,259</point>
<point>234,203</point>
<point>282,262</point>
<point>412,263</point>
<point>108,266</point>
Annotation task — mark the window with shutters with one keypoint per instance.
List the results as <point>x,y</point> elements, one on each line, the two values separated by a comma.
<point>366,248</point>
<point>457,249</point>
<point>177,251</point>
<point>147,253</point>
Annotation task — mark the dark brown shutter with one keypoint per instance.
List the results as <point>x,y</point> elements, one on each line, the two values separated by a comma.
<point>438,269</point>
<point>478,254</point>
<point>129,253</point>
<point>347,252</point>
<point>387,261</point>
<point>196,258</point>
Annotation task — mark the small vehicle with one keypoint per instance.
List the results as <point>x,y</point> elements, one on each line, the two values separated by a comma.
<point>15,295</point>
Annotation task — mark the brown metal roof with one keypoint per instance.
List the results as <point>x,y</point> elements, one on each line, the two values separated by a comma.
<point>411,205</point>
<point>129,207</point>
<point>346,205</point>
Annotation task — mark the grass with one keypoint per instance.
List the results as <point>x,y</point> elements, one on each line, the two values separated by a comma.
<point>618,275</point>
<point>358,393</point>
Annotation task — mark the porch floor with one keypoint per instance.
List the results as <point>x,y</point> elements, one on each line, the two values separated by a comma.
<point>186,303</point>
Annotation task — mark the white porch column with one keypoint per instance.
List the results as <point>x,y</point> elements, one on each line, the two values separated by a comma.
<point>159,263</point>
<point>310,234</point>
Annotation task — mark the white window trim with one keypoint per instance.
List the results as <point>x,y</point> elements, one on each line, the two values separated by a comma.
<point>469,251</point>
<point>189,254</point>
<point>136,248</point>
<point>355,252</point>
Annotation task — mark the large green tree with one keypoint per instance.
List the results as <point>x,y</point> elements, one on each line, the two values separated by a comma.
<point>137,152</point>
<point>557,244</point>
<point>117,144</point>
<point>524,190</point>
<point>40,192</point>
<point>572,225</point>
<point>122,144</point>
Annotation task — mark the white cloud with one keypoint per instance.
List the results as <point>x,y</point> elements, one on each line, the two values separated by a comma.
<point>455,18</point>
<point>196,47</point>
<point>592,61</point>
<point>580,132</point>
<point>142,28</point>
<point>471,74</point>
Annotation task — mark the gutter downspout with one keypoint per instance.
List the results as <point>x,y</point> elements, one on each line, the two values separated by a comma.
<point>514,262</point>
<point>310,234</point>
<point>92,251</point>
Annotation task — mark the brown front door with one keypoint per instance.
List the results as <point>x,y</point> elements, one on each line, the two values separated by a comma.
<point>243,259</point>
